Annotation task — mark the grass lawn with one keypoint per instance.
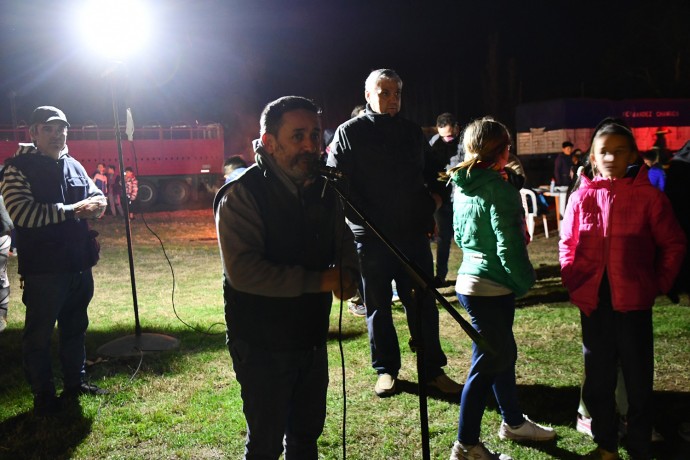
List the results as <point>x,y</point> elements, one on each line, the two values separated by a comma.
<point>185,404</point>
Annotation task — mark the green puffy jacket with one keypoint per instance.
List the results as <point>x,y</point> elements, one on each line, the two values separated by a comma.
<point>489,226</point>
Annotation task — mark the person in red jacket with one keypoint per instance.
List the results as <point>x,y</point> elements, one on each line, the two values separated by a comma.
<point>620,247</point>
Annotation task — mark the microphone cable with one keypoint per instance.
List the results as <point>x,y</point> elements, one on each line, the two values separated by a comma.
<point>165,254</point>
<point>339,263</point>
<point>340,326</point>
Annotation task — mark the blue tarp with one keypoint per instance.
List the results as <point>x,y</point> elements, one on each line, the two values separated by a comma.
<point>587,113</point>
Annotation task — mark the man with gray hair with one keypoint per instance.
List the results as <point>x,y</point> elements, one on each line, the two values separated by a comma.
<point>382,155</point>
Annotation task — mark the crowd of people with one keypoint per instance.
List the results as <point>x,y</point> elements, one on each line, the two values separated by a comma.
<point>46,199</point>
<point>466,186</point>
<point>110,184</point>
<point>288,245</point>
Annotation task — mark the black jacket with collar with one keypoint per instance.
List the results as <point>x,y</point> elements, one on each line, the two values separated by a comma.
<point>383,159</point>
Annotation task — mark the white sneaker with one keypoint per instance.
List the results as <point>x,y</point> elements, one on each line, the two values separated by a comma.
<point>385,385</point>
<point>584,425</point>
<point>396,297</point>
<point>357,309</point>
<point>528,431</point>
<point>476,452</point>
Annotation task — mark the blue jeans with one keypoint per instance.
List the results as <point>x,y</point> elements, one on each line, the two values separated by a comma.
<point>51,298</point>
<point>283,396</point>
<point>379,267</point>
<point>444,222</point>
<point>493,318</point>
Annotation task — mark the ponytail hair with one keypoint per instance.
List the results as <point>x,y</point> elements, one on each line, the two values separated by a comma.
<point>484,139</point>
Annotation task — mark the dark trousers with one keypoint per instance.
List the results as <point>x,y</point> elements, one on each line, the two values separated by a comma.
<point>379,267</point>
<point>608,337</point>
<point>444,223</point>
<point>283,399</point>
<point>51,298</point>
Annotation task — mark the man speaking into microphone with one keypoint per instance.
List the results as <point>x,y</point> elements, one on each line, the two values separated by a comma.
<point>382,156</point>
<point>285,251</point>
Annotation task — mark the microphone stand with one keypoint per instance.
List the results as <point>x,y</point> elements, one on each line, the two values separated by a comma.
<point>424,285</point>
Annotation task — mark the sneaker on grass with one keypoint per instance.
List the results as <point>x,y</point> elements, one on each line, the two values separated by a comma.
<point>475,452</point>
<point>528,431</point>
<point>584,425</point>
<point>357,309</point>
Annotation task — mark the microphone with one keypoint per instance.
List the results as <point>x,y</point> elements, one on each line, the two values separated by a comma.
<point>327,172</point>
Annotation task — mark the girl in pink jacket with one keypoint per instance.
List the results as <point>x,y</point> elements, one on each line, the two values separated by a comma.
<point>620,247</point>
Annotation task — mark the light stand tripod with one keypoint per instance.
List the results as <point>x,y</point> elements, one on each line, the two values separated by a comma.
<point>131,345</point>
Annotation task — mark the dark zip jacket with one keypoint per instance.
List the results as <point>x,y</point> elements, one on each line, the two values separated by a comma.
<point>383,158</point>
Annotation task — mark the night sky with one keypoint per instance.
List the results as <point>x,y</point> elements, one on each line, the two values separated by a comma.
<point>213,60</point>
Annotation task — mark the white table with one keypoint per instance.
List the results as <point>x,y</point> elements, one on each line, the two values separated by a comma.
<point>559,196</point>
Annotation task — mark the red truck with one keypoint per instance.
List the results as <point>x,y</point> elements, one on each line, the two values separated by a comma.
<point>172,164</point>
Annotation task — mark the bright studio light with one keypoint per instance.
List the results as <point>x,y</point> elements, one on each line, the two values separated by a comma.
<point>114,28</point>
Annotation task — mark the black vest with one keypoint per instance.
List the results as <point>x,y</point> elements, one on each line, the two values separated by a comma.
<point>299,231</point>
<point>65,247</point>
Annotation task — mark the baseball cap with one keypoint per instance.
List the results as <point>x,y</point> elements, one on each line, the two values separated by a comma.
<point>46,114</point>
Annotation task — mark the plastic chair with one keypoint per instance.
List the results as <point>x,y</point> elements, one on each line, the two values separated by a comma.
<point>526,194</point>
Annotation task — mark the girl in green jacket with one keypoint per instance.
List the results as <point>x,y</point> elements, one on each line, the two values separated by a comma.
<point>489,227</point>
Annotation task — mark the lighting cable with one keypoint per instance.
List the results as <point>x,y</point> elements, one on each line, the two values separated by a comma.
<point>172,270</point>
<point>340,325</point>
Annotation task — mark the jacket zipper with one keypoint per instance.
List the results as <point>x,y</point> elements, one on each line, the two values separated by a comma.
<point>607,237</point>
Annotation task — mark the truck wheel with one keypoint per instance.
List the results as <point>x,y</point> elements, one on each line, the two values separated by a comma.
<point>176,192</point>
<point>147,195</point>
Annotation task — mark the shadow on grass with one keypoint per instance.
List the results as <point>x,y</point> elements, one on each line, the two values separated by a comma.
<point>191,342</point>
<point>557,406</point>
<point>548,288</point>
<point>153,363</point>
<point>26,436</point>
<point>548,271</point>
<point>407,386</point>
<point>347,334</point>
<point>536,297</point>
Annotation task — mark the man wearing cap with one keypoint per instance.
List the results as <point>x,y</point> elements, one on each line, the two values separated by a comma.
<point>561,169</point>
<point>49,196</point>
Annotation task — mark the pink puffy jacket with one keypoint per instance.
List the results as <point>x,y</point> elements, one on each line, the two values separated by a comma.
<point>627,228</point>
